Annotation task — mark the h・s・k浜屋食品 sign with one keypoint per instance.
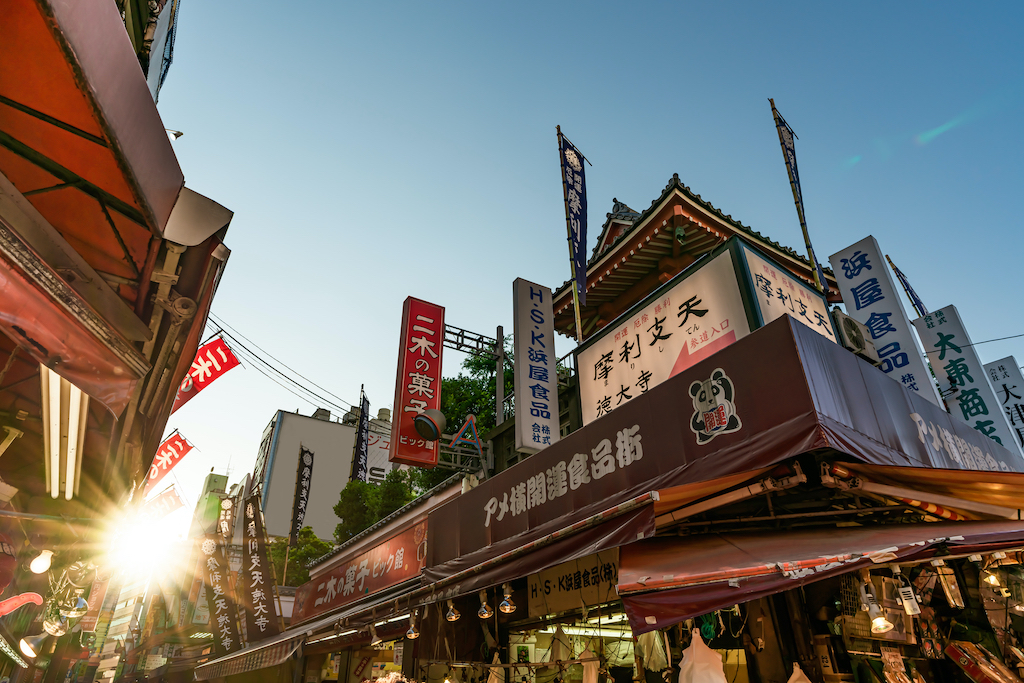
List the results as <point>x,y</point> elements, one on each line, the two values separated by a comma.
<point>536,374</point>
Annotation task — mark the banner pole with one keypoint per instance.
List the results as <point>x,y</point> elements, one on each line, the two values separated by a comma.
<point>568,230</point>
<point>796,201</point>
<point>284,574</point>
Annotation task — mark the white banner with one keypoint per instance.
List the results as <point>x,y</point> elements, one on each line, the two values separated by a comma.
<point>778,293</point>
<point>871,297</point>
<point>957,367</point>
<point>536,377</point>
<point>684,325</point>
<point>378,449</point>
<point>1008,383</point>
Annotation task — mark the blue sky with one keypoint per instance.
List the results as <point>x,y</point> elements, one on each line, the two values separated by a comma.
<point>372,151</point>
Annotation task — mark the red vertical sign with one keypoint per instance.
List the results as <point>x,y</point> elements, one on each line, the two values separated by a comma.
<point>418,385</point>
<point>212,360</point>
<point>167,456</point>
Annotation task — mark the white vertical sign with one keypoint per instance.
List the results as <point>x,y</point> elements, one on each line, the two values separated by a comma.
<point>536,377</point>
<point>779,293</point>
<point>958,369</point>
<point>1008,383</point>
<point>871,298</point>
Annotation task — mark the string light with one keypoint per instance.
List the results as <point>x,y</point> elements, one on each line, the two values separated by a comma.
<point>507,606</point>
<point>485,611</point>
<point>453,614</point>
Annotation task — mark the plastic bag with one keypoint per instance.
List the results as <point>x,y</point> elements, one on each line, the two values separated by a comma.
<point>798,675</point>
<point>701,664</point>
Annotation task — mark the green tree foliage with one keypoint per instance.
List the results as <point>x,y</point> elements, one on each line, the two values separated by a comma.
<point>472,391</point>
<point>361,504</point>
<point>308,548</point>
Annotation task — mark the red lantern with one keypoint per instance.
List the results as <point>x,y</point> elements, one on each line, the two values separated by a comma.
<point>8,562</point>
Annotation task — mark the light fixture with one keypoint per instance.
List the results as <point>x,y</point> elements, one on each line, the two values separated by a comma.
<point>41,562</point>
<point>430,424</point>
<point>485,611</point>
<point>453,614</point>
<point>12,434</point>
<point>173,134</point>
<point>448,677</point>
<point>65,416</point>
<point>991,579</point>
<point>869,603</point>
<point>74,607</point>
<point>375,640</point>
<point>31,646</point>
<point>592,631</point>
<point>507,606</point>
<point>54,623</point>
<point>412,633</point>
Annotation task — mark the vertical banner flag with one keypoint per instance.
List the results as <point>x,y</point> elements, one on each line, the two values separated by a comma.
<point>303,475</point>
<point>213,359</point>
<point>360,463</point>
<point>960,372</point>
<point>256,582</point>
<point>222,611</point>
<point>786,139</point>
<point>170,453</point>
<point>1008,383</point>
<point>418,385</point>
<point>871,298</point>
<point>574,184</point>
<point>164,504</point>
<point>97,595</point>
<point>536,377</point>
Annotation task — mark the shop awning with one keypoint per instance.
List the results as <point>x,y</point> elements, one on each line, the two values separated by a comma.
<point>246,661</point>
<point>1005,489</point>
<point>665,580</point>
<point>793,391</point>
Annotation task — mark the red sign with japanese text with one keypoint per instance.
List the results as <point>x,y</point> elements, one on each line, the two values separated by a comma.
<point>397,559</point>
<point>164,504</point>
<point>172,450</point>
<point>418,386</point>
<point>212,360</point>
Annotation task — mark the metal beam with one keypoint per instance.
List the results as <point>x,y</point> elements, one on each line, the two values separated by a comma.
<point>458,339</point>
<point>25,109</point>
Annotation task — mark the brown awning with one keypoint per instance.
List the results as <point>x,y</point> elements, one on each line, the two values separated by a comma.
<point>663,581</point>
<point>792,391</point>
<point>1005,489</point>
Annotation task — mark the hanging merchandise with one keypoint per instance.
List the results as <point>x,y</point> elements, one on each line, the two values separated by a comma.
<point>653,651</point>
<point>798,675</point>
<point>560,649</point>
<point>701,664</point>
<point>591,665</point>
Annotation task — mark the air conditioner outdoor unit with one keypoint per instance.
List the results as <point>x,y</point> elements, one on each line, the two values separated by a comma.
<point>856,337</point>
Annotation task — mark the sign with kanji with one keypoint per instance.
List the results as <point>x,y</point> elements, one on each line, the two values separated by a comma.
<point>574,181</point>
<point>213,359</point>
<point>871,298</point>
<point>97,594</point>
<point>679,327</point>
<point>170,452</point>
<point>164,504</point>
<point>303,477</point>
<point>256,578</point>
<point>360,460</point>
<point>397,559</point>
<point>378,448</point>
<point>589,580</point>
<point>218,596</point>
<point>1006,379</point>
<point>418,386</point>
<point>962,377</point>
<point>536,374</point>
<point>777,293</point>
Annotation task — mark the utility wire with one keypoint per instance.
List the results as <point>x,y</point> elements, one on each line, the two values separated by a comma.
<point>220,321</point>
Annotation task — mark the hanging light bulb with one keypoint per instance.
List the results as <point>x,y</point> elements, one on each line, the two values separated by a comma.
<point>54,623</point>
<point>453,614</point>
<point>448,676</point>
<point>31,646</point>
<point>412,633</point>
<point>507,606</point>
<point>41,562</point>
<point>375,640</point>
<point>485,611</point>
<point>74,607</point>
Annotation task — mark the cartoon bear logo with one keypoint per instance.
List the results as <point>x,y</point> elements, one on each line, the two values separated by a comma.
<point>714,410</point>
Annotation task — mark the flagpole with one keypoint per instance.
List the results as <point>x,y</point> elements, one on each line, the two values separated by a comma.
<point>915,300</point>
<point>796,200</point>
<point>572,256</point>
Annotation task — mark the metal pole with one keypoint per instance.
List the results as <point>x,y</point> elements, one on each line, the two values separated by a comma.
<point>499,377</point>
<point>572,256</point>
<point>284,574</point>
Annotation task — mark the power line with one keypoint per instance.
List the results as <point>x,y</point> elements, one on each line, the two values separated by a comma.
<point>220,321</point>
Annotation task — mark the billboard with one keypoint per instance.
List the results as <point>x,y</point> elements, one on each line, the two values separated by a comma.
<point>536,374</point>
<point>378,448</point>
<point>959,371</point>
<point>1008,383</point>
<point>418,385</point>
<point>699,315</point>
<point>777,293</point>
<point>871,298</point>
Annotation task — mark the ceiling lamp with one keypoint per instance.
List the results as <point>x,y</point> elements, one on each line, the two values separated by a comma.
<point>41,562</point>
<point>65,414</point>
<point>412,633</point>
<point>869,603</point>
<point>453,614</point>
<point>485,611</point>
<point>31,646</point>
<point>507,606</point>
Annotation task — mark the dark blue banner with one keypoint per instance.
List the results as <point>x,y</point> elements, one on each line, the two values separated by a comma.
<point>360,463</point>
<point>574,178</point>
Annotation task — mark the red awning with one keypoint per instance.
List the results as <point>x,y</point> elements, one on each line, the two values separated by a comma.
<point>663,581</point>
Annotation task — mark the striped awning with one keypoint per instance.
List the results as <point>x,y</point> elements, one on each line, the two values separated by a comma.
<point>254,659</point>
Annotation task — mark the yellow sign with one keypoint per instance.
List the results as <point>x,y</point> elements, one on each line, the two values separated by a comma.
<point>584,582</point>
